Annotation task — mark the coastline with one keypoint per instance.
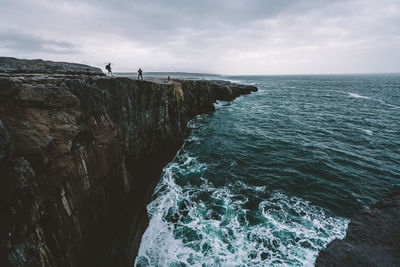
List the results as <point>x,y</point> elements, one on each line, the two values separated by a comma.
<point>82,154</point>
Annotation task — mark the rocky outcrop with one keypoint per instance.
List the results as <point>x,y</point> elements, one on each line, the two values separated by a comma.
<point>79,158</point>
<point>372,238</point>
<point>13,65</point>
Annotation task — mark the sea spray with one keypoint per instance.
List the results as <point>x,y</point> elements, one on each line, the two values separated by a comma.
<point>198,225</point>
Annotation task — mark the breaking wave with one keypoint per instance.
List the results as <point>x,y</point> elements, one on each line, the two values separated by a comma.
<point>199,224</point>
<point>270,178</point>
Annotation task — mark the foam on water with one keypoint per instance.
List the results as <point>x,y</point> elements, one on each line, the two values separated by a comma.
<point>378,100</point>
<point>358,96</point>
<point>389,105</point>
<point>270,178</point>
<point>184,229</point>
<point>369,132</point>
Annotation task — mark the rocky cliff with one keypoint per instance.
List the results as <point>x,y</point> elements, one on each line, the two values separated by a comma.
<point>14,65</point>
<point>372,238</point>
<point>80,155</point>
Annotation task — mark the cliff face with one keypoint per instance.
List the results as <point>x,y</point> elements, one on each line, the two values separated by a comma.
<point>79,158</point>
<point>372,238</point>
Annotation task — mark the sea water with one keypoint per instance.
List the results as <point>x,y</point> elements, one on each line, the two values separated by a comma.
<point>272,177</point>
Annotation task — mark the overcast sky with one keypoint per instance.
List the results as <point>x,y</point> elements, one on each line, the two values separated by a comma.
<point>212,36</point>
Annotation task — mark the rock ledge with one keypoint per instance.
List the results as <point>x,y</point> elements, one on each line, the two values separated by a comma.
<point>372,238</point>
<point>14,65</point>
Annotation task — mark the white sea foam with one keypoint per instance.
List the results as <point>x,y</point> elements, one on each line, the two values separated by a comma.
<point>369,132</point>
<point>366,97</point>
<point>251,188</point>
<point>358,96</point>
<point>291,230</point>
<point>386,104</point>
<point>221,103</point>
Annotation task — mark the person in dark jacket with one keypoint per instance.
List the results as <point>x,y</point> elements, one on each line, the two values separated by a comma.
<point>108,68</point>
<point>140,74</point>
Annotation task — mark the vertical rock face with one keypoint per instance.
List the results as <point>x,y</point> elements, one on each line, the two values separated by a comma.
<point>372,239</point>
<point>79,158</point>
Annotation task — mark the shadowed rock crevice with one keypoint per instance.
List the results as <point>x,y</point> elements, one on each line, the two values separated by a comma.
<point>79,158</point>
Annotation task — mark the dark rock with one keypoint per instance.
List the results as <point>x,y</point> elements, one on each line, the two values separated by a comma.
<point>80,156</point>
<point>4,142</point>
<point>7,88</point>
<point>372,238</point>
<point>13,65</point>
<point>228,91</point>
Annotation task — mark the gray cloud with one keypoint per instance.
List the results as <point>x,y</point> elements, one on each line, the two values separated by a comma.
<point>20,42</point>
<point>235,36</point>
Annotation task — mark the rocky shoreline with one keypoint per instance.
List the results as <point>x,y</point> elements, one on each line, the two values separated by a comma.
<point>372,238</point>
<point>80,154</point>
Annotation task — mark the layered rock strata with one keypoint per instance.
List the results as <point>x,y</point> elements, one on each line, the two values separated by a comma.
<point>80,156</point>
<point>372,238</point>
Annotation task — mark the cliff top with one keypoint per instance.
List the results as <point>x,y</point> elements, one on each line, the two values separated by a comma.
<point>14,65</point>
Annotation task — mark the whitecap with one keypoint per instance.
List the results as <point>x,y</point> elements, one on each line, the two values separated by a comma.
<point>386,104</point>
<point>369,132</point>
<point>358,96</point>
<point>291,233</point>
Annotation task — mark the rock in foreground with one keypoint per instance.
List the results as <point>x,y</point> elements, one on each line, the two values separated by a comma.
<point>372,239</point>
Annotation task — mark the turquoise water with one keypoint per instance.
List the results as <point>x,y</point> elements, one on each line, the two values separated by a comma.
<point>272,177</point>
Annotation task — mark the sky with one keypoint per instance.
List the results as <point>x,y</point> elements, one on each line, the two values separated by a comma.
<point>236,37</point>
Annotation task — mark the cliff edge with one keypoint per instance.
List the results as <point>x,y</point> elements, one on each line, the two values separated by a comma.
<point>80,154</point>
<point>14,65</point>
<point>372,238</point>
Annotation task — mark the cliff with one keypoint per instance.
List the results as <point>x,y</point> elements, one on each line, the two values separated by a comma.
<point>372,238</point>
<point>80,156</point>
<point>14,65</point>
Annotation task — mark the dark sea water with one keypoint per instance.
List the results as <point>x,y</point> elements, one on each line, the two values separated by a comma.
<point>272,177</point>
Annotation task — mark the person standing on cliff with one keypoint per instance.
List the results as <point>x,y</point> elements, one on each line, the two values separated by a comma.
<point>140,73</point>
<point>108,68</point>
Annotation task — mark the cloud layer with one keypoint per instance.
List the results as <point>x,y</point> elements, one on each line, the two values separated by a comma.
<point>220,36</point>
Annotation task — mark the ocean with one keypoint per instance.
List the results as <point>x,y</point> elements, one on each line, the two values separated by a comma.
<point>272,177</point>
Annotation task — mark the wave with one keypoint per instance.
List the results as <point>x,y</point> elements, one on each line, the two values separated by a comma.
<point>185,228</point>
<point>232,196</point>
<point>358,96</point>
<point>378,100</point>
<point>366,97</point>
<point>369,132</point>
<point>386,104</point>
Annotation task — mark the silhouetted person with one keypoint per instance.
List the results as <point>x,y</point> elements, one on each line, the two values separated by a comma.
<point>108,68</point>
<point>140,73</point>
<point>169,78</point>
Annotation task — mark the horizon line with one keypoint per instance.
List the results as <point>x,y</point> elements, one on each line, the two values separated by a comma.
<point>281,74</point>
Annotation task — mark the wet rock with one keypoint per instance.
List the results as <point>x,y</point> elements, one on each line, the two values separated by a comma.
<point>264,256</point>
<point>372,238</point>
